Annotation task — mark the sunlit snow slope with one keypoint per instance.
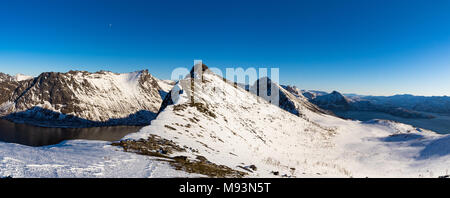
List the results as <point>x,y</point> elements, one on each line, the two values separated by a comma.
<point>236,128</point>
<point>80,158</point>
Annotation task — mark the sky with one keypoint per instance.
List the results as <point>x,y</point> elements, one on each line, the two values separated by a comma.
<point>369,47</point>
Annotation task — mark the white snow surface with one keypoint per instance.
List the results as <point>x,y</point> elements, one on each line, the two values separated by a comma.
<point>17,77</point>
<point>80,158</point>
<point>21,77</point>
<point>166,85</point>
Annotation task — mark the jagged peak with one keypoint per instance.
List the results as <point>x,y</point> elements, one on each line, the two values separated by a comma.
<point>74,72</point>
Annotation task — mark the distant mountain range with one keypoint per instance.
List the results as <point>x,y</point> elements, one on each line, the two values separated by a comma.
<point>78,98</point>
<point>406,106</point>
<point>405,102</point>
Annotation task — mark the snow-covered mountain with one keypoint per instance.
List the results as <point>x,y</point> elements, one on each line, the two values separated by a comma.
<point>301,93</point>
<point>5,77</point>
<point>406,106</point>
<point>337,102</point>
<point>311,94</point>
<point>21,77</point>
<point>225,124</point>
<point>77,98</point>
<point>333,101</point>
<point>289,98</point>
<point>18,77</point>
<point>165,87</point>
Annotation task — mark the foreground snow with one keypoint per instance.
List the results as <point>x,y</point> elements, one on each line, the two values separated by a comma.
<point>380,148</point>
<point>80,158</point>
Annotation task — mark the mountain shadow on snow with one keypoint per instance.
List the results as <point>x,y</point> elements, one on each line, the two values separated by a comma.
<point>38,116</point>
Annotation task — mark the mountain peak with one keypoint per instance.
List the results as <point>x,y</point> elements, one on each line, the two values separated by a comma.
<point>336,93</point>
<point>18,77</point>
<point>334,100</point>
<point>82,98</point>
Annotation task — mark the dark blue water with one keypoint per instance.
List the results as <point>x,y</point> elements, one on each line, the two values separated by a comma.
<point>439,124</point>
<point>41,136</point>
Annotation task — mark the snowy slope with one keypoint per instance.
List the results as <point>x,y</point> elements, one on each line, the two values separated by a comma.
<point>381,148</point>
<point>21,77</point>
<point>165,87</point>
<point>80,158</point>
<point>311,94</point>
<point>80,98</point>
<point>233,127</point>
<point>18,77</point>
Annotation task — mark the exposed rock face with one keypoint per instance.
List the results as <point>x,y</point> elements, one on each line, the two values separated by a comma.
<point>5,77</point>
<point>6,92</point>
<point>289,98</point>
<point>293,94</point>
<point>78,99</point>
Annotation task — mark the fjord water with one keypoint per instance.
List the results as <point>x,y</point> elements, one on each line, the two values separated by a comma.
<point>439,124</point>
<point>41,136</point>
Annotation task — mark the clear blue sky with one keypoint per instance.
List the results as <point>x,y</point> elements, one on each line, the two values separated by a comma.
<point>363,46</point>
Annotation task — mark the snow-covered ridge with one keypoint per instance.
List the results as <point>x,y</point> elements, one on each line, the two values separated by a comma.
<point>21,77</point>
<point>230,126</point>
<point>290,99</point>
<point>236,128</point>
<point>83,98</point>
<point>334,100</point>
<point>18,77</point>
